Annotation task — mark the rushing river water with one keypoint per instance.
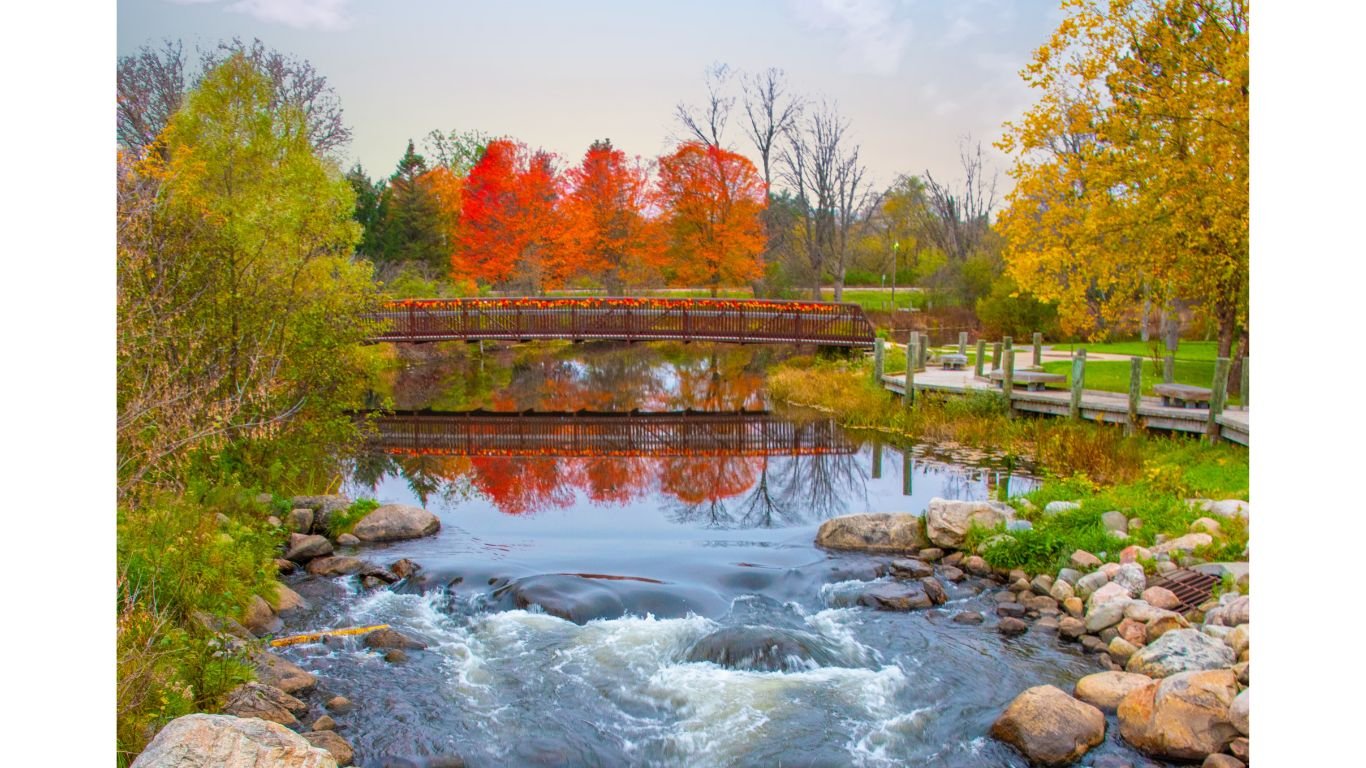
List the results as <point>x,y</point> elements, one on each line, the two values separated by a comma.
<point>607,512</point>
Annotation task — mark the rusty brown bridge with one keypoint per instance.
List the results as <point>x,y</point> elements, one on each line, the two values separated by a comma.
<point>591,433</point>
<point>741,321</point>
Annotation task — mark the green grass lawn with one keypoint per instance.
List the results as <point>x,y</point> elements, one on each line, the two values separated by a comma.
<point>1188,350</point>
<point>1113,375</point>
<point>869,298</point>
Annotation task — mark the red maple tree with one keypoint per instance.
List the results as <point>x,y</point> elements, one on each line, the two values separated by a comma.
<point>712,201</point>
<point>511,230</point>
<point>607,234</point>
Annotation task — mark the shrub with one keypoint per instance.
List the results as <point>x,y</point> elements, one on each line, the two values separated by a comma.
<point>345,520</point>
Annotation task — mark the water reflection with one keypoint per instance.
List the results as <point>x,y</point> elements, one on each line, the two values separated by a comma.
<point>528,430</point>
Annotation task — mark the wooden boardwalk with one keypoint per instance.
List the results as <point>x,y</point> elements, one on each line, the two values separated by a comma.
<point>1110,407</point>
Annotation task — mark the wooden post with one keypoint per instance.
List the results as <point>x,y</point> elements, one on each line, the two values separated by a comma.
<point>1244,389</point>
<point>1008,377</point>
<point>1218,398</point>
<point>911,353</point>
<point>1078,381</point>
<point>963,343</point>
<point>923,352</point>
<point>1135,390</point>
<point>981,358</point>
<point>878,352</point>
<point>1038,350</point>
<point>1169,369</point>
<point>996,356</point>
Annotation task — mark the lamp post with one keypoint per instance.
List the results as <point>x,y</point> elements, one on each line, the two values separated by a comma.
<point>896,245</point>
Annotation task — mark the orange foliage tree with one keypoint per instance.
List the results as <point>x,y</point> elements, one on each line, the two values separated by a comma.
<point>511,230</point>
<point>607,235</point>
<point>711,202</point>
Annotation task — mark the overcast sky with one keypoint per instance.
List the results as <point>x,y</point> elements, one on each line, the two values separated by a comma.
<point>913,78</point>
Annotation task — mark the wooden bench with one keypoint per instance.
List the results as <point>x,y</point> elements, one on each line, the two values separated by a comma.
<point>1033,380</point>
<point>953,362</point>
<point>1183,395</point>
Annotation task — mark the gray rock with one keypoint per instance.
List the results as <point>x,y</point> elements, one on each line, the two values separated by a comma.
<point>1070,628</point>
<point>947,522</point>
<point>266,702</point>
<point>1104,616</point>
<point>1041,584</point>
<point>1131,577</point>
<point>1180,650</point>
<point>1019,525</point>
<point>1183,544</point>
<point>1084,560</point>
<point>333,743</point>
<point>281,673</point>
<point>337,566</point>
<point>1013,610</point>
<point>1058,507</point>
<point>396,522</point>
<point>1115,521</point>
<point>323,507</point>
<point>968,617</point>
<point>301,520</point>
<point>1060,591</point>
<point>883,533</point>
<point>347,540</point>
<point>1091,582</point>
<point>1238,712</point>
<point>1228,508</point>
<point>1069,575</point>
<point>901,596</point>
<point>910,568</point>
<point>1012,626</point>
<point>304,547</point>
<point>260,618</point>
<point>930,554</point>
<point>391,638</point>
<point>224,741</point>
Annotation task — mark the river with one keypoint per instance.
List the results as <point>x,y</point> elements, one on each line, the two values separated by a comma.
<point>652,497</point>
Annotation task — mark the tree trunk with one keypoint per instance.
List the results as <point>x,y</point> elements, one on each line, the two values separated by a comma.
<point>1235,373</point>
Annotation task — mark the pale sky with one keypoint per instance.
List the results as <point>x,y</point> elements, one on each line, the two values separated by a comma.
<point>912,78</point>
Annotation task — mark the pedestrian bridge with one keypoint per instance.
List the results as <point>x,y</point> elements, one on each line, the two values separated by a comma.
<point>740,321</point>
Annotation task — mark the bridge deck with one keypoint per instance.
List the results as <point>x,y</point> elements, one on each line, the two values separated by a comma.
<point>742,321</point>
<point>576,434</point>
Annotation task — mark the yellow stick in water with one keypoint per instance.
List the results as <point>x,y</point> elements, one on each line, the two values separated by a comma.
<point>313,637</point>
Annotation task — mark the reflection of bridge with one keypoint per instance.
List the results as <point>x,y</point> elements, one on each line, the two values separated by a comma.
<point>743,321</point>
<point>584,433</point>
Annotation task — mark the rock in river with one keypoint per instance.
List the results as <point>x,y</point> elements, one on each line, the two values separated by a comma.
<point>1050,727</point>
<point>900,596</point>
<point>266,702</point>
<point>762,649</point>
<point>391,638</point>
<point>580,598</point>
<point>1106,689</point>
<point>947,522</point>
<point>886,532</point>
<point>224,741</point>
<point>396,522</point>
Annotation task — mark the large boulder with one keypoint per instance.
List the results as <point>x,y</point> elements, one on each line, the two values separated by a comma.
<point>266,702</point>
<point>281,673</point>
<point>1050,727</point>
<point>1182,717</point>
<point>947,522</point>
<point>1238,711</point>
<point>337,566</point>
<point>224,741</point>
<point>885,532</point>
<point>1106,689</point>
<point>396,522</point>
<point>1131,577</point>
<point>1180,650</point>
<point>259,618</point>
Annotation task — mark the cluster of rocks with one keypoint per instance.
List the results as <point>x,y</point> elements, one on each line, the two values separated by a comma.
<point>1176,682</point>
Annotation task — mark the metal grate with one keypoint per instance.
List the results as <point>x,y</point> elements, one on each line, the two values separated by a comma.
<point>1190,587</point>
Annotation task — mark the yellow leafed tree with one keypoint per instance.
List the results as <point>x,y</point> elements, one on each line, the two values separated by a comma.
<point>1132,168</point>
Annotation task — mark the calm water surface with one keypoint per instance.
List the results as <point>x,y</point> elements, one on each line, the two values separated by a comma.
<point>649,533</point>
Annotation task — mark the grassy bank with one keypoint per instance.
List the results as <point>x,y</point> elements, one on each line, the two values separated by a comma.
<point>1148,476</point>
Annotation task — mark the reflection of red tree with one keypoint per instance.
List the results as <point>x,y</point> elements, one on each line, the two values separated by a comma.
<point>616,480</point>
<point>521,485</point>
<point>697,480</point>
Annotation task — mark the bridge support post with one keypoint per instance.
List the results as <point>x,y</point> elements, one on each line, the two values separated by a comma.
<point>878,351</point>
<point>1078,382</point>
<point>981,358</point>
<point>911,354</point>
<point>996,356</point>
<point>963,343</point>
<point>1135,391</point>
<point>1038,350</point>
<point>1008,378</point>
<point>1218,398</point>
<point>923,352</point>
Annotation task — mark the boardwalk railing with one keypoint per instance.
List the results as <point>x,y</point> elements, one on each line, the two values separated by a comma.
<point>744,321</point>
<point>583,433</point>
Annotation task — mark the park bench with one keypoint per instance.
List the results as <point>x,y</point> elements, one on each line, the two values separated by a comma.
<point>953,362</point>
<point>1184,395</point>
<point>1033,380</point>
